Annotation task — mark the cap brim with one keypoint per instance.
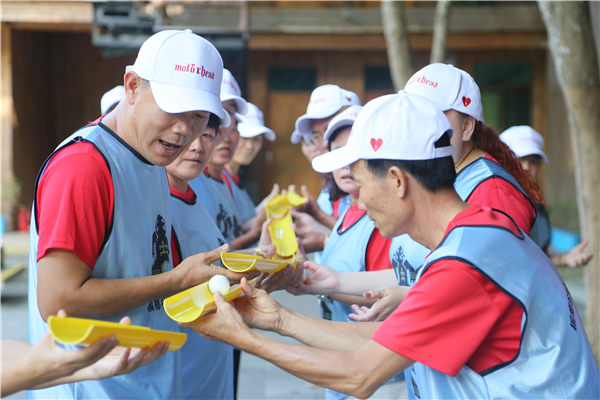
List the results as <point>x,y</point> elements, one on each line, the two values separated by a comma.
<point>240,104</point>
<point>177,99</point>
<point>251,130</point>
<point>335,159</point>
<point>296,137</point>
<point>303,122</point>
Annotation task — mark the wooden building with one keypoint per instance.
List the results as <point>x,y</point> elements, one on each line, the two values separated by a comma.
<point>59,57</point>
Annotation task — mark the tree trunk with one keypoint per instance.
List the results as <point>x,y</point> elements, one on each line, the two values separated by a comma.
<point>440,31</point>
<point>570,41</point>
<point>393,19</point>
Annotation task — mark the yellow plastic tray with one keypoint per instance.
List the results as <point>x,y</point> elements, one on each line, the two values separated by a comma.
<point>194,302</point>
<point>238,262</point>
<point>70,330</point>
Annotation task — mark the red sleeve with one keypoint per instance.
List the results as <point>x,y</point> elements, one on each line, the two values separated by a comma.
<point>454,316</point>
<point>378,252</point>
<point>502,195</point>
<point>75,199</point>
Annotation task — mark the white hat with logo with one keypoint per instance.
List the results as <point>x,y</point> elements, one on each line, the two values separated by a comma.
<point>523,140</point>
<point>448,87</point>
<point>398,126</point>
<point>343,119</point>
<point>253,124</point>
<point>111,98</point>
<point>184,71</point>
<point>324,101</point>
<point>230,90</point>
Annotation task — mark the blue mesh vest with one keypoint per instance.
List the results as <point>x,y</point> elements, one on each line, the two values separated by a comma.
<point>554,359</point>
<point>244,206</point>
<point>137,245</point>
<point>206,365</point>
<point>216,199</point>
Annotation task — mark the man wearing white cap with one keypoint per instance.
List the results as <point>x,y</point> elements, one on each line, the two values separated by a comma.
<point>528,144</point>
<point>110,99</point>
<point>474,325</point>
<point>102,222</point>
<point>252,132</point>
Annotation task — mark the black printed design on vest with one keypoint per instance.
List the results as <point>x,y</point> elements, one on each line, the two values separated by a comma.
<point>160,252</point>
<point>160,246</point>
<point>405,272</point>
<point>227,224</point>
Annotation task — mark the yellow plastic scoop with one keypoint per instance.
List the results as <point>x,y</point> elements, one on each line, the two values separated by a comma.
<point>190,304</point>
<point>238,262</point>
<point>281,229</point>
<point>70,330</point>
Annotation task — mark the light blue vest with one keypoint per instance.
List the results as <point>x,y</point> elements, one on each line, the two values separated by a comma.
<point>483,169</point>
<point>206,365</point>
<point>137,245</point>
<point>345,252</point>
<point>554,360</point>
<point>244,206</point>
<point>217,200</point>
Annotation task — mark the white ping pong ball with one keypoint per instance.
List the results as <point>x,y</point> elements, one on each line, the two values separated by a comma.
<point>218,283</point>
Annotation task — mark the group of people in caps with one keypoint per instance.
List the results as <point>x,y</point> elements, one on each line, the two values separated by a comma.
<point>428,242</point>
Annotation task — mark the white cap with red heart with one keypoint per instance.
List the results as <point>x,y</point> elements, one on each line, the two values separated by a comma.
<point>399,126</point>
<point>230,90</point>
<point>345,118</point>
<point>449,88</point>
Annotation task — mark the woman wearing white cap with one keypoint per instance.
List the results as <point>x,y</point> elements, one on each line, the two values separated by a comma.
<point>527,144</point>
<point>252,131</point>
<point>487,172</point>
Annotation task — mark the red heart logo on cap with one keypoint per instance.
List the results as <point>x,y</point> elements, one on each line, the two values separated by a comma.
<point>466,101</point>
<point>349,99</point>
<point>376,143</point>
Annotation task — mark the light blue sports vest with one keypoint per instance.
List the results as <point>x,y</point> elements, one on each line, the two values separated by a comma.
<point>345,252</point>
<point>137,245</point>
<point>327,207</point>
<point>483,169</point>
<point>217,200</point>
<point>206,365</point>
<point>554,360</point>
<point>244,206</point>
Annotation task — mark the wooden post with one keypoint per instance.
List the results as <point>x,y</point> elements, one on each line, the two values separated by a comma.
<point>6,115</point>
<point>440,31</point>
<point>571,44</point>
<point>396,39</point>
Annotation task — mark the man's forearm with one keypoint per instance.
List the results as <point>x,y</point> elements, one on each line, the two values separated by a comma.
<point>357,283</point>
<point>333,335</point>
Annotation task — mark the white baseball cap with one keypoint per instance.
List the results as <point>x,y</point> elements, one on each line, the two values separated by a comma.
<point>345,118</point>
<point>398,126</point>
<point>253,124</point>
<point>523,140</point>
<point>324,101</point>
<point>184,70</point>
<point>110,98</point>
<point>449,88</point>
<point>230,90</point>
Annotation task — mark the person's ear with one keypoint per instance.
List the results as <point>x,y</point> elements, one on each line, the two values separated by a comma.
<point>133,85</point>
<point>468,125</point>
<point>398,179</point>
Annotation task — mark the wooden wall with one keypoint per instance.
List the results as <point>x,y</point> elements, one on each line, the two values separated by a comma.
<point>58,79</point>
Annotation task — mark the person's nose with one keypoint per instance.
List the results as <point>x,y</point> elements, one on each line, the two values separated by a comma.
<point>184,124</point>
